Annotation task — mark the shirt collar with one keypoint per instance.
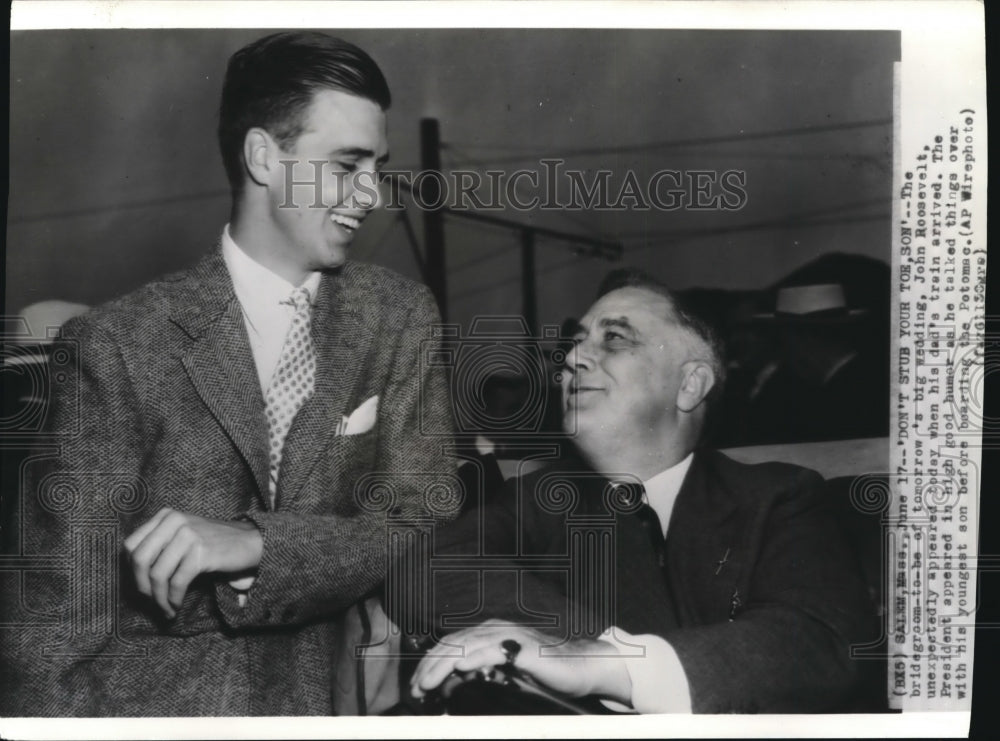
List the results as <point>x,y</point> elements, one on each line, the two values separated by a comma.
<point>663,488</point>
<point>259,289</point>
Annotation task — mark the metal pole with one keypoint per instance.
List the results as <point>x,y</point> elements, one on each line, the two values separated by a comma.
<point>589,247</point>
<point>529,296</point>
<point>431,195</point>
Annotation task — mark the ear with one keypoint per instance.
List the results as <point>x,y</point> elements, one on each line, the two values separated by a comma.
<point>258,155</point>
<point>697,380</point>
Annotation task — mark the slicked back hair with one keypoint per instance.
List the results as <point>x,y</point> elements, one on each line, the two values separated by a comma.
<point>683,314</point>
<point>271,83</point>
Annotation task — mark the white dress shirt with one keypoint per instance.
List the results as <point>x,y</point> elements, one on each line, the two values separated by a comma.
<point>662,490</point>
<point>659,684</point>
<point>263,295</point>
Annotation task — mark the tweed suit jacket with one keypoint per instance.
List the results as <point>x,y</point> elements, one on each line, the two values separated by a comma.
<point>166,411</point>
<point>759,596</point>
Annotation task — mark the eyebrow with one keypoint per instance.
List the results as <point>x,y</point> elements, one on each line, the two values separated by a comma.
<point>620,322</point>
<point>359,152</point>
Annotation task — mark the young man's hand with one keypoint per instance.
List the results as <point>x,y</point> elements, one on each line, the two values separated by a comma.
<point>168,551</point>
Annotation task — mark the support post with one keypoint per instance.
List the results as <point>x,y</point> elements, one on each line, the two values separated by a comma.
<point>529,295</point>
<point>430,194</point>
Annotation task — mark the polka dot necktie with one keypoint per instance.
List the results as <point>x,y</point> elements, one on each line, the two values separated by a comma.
<point>292,383</point>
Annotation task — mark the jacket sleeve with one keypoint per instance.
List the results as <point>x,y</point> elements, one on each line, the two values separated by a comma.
<point>787,648</point>
<point>82,492</point>
<point>318,565</point>
<point>459,594</point>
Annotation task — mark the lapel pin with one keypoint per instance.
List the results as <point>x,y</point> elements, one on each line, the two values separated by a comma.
<point>719,564</point>
<point>735,604</point>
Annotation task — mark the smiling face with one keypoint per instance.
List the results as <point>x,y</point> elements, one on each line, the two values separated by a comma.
<point>321,188</point>
<point>625,373</point>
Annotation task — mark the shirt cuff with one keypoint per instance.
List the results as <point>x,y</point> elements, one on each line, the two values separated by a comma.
<point>242,585</point>
<point>659,684</point>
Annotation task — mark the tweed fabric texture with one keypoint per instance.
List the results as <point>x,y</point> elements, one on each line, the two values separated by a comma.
<point>760,595</point>
<point>165,410</point>
<point>292,383</point>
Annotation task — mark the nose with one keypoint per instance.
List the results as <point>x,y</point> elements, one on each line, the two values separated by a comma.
<point>578,358</point>
<point>366,193</point>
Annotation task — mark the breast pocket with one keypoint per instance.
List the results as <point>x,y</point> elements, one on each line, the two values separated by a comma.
<point>349,458</point>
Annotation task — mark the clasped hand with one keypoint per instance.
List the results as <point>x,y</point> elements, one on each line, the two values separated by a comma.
<point>172,548</point>
<point>576,668</point>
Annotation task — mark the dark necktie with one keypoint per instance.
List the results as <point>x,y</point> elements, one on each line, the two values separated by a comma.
<point>651,523</point>
<point>632,498</point>
<point>644,601</point>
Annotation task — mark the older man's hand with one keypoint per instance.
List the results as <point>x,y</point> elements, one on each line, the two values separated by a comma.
<point>576,668</point>
<point>168,551</point>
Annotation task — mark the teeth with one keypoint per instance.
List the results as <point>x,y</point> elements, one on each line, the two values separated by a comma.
<point>347,221</point>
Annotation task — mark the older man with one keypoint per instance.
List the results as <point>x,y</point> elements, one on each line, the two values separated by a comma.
<point>726,587</point>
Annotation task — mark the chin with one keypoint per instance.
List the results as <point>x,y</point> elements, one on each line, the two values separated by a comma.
<point>605,434</point>
<point>333,257</point>
<point>578,428</point>
<point>570,421</point>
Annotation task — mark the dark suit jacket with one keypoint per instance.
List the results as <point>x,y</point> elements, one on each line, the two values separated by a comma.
<point>758,596</point>
<point>166,411</point>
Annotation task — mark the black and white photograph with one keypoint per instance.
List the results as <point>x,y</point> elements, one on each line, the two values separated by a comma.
<point>416,369</point>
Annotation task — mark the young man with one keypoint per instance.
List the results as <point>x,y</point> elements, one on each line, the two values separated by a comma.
<point>727,587</point>
<point>235,421</point>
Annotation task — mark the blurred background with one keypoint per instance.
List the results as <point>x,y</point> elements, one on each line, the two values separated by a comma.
<point>115,178</point>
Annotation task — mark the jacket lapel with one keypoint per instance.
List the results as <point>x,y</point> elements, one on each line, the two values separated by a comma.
<point>702,535</point>
<point>639,600</point>
<point>342,343</point>
<point>220,363</point>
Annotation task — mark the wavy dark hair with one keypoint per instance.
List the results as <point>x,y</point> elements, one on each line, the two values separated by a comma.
<point>271,82</point>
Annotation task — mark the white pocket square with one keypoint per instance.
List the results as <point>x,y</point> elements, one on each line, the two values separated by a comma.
<point>361,419</point>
